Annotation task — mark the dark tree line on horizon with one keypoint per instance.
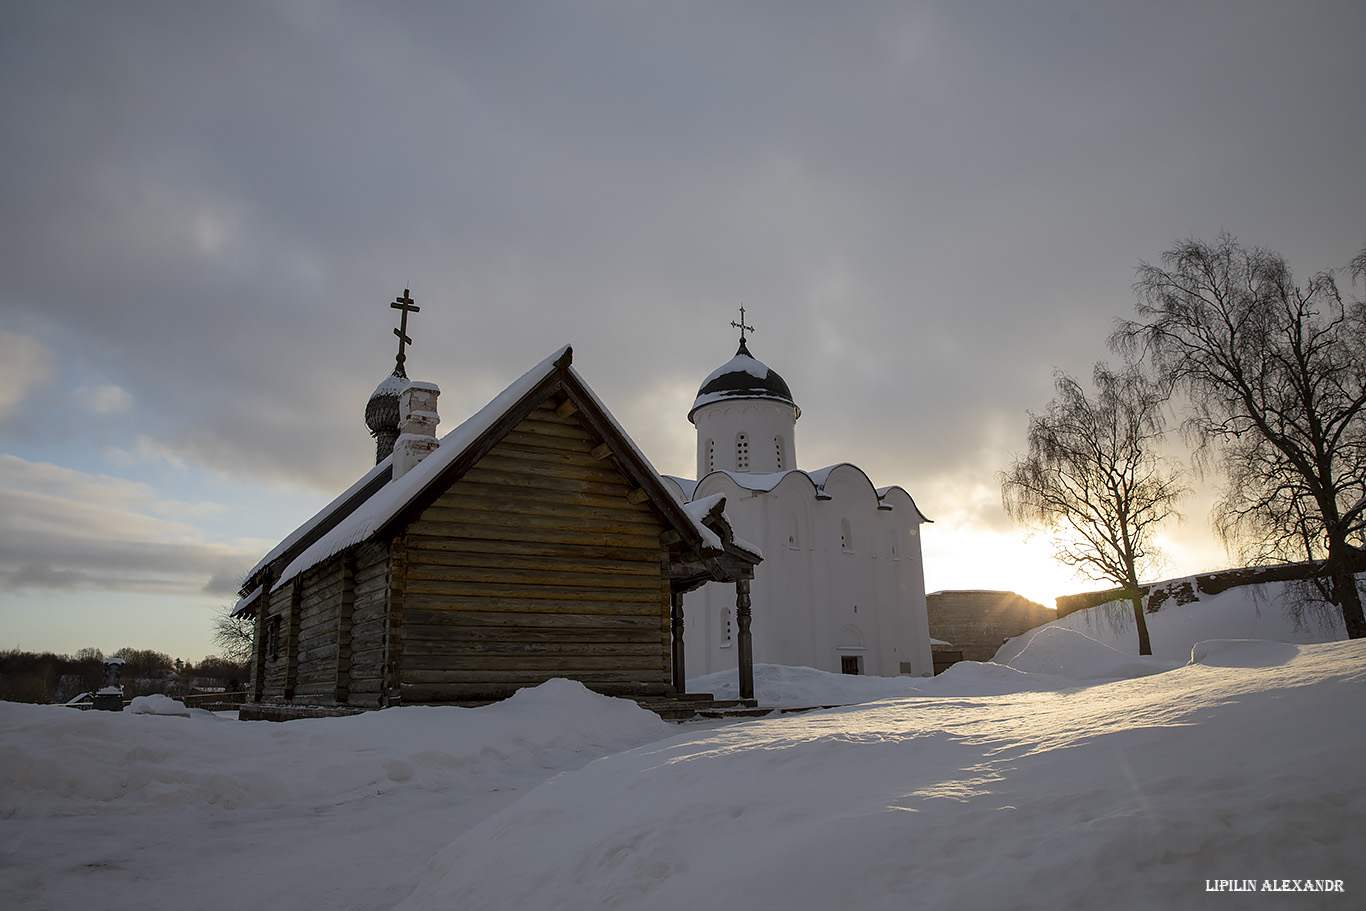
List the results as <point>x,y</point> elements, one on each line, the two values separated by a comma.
<point>47,677</point>
<point>1268,379</point>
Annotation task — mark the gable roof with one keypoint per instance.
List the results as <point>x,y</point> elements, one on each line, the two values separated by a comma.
<point>379,506</point>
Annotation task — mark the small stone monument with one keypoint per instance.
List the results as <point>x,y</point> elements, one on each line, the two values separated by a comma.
<point>109,698</point>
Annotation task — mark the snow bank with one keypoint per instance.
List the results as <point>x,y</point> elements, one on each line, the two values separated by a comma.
<point>159,704</point>
<point>62,761</point>
<point>1242,653</point>
<point>1128,795</point>
<point>1067,653</point>
<point>989,786</point>
<point>777,685</point>
<point>1250,612</point>
<point>974,678</point>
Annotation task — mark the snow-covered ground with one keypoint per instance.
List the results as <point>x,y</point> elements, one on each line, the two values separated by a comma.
<point>1075,776</point>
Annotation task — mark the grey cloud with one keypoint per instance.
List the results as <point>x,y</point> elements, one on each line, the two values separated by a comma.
<point>925,209</point>
<point>41,575</point>
<point>64,530</point>
<point>228,579</point>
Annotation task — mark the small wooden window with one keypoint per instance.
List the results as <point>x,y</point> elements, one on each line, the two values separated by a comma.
<point>273,638</point>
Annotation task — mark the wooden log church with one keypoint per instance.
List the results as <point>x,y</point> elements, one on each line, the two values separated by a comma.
<point>533,541</point>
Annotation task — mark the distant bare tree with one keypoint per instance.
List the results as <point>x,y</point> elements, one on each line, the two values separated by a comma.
<point>1094,479</point>
<point>1276,377</point>
<point>233,635</point>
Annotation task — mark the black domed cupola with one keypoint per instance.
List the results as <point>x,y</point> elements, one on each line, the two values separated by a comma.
<point>745,416</point>
<point>742,377</point>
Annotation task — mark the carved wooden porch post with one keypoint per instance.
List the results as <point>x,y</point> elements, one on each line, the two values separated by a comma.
<point>742,619</point>
<point>676,617</point>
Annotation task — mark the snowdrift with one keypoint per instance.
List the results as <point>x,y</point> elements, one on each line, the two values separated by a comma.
<point>158,755</point>
<point>1128,794</point>
<point>1250,612</point>
<point>1070,775</point>
<point>778,685</point>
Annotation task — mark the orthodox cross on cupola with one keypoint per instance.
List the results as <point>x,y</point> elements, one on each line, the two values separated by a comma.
<point>742,326</point>
<point>404,303</point>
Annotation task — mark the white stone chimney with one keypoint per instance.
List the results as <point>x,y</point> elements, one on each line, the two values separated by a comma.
<point>417,426</point>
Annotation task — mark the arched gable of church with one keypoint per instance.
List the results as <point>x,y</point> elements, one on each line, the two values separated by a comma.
<point>849,505</point>
<point>902,523</point>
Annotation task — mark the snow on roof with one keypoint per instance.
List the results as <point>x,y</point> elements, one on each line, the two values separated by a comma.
<point>687,489</point>
<point>698,510</point>
<point>322,515</point>
<point>882,493</point>
<point>742,377</point>
<point>741,363</point>
<point>765,482</point>
<point>390,499</point>
<point>392,384</point>
<point>241,606</point>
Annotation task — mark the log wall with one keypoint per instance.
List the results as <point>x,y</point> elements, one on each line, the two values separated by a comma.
<point>332,627</point>
<point>536,564</point>
<point>369,603</point>
<point>315,655</point>
<point>274,608</point>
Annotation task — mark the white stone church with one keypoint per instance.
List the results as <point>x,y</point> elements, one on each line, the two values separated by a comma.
<point>841,587</point>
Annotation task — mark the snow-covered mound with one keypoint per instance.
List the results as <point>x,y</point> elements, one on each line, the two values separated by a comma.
<point>159,704</point>
<point>985,678</point>
<point>1250,612</point>
<point>1129,794</point>
<point>144,759</point>
<point>778,685</point>
<point>1067,653</point>
<point>1242,653</point>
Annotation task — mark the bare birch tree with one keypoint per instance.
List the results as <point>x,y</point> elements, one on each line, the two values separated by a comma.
<point>1276,377</point>
<point>1094,479</point>
<point>232,635</point>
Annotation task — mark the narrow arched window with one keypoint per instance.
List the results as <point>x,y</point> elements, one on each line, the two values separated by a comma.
<point>711,455</point>
<point>846,537</point>
<point>725,627</point>
<point>742,452</point>
<point>778,451</point>
<point>794,540</point>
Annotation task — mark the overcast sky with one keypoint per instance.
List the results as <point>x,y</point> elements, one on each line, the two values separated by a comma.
<point>925,208</point>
